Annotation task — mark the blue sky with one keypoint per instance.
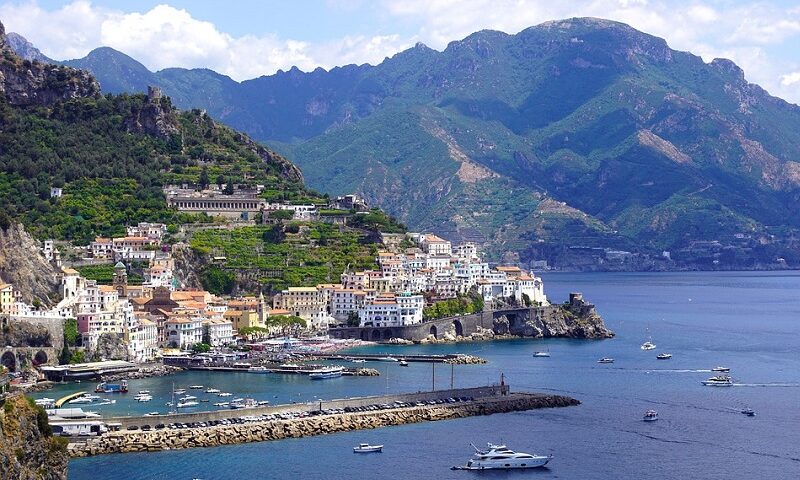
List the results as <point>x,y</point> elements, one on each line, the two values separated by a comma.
<point>248,38</point>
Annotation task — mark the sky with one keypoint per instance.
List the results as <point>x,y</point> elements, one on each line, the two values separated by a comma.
<point>249,38</point>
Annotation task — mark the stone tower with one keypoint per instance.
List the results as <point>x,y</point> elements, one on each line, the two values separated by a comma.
<point>121,279</point>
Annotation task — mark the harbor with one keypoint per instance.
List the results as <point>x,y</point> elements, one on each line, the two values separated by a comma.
<point>209,429</point>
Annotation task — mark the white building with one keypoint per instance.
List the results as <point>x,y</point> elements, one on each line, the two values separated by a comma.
<point>218,332</point>
<point>433,245</point>
<point>392,311</point>
<point>307,303</point>
<point>157,276</point>
<point>142,341</point>
<point>155,231</point>
<point>183,332</point>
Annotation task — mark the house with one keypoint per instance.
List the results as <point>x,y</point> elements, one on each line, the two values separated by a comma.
<point>307,303</point>
<point>388,310</point>
<point>184,331</point>
<point>56,192</point>
<point>218,332</point>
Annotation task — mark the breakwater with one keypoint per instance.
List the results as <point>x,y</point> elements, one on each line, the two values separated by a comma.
<point>489,400</point>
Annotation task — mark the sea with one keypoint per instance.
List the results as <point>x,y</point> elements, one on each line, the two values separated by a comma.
<point>749,322</point>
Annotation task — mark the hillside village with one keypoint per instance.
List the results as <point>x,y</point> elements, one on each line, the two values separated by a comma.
<point>413,275</point>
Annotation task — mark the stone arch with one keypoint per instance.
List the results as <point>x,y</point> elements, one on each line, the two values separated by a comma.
<point>9,361</point>
<point>364,335</point>
<point>40,358</point>
<point>387,334</point>
<point>434,331</point>
<point>375,335</point>
<point>459,328</point>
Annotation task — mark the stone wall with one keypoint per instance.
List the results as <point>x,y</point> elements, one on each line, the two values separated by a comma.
<point>138,441</point>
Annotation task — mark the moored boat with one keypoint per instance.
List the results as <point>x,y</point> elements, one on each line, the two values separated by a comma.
<point>721,369</point>
<point>499,457</point>
<point>403,363</point>
<point>187,404</point>
<point>606,360</point>
<point>328,372</point>
<point>213,390</point>
<point>367,448</point>
<point>196,387</point>
<point>258,369</point>
<point>664,356</point>
<point>105,387</point>
<point>541,354</point>
<point>648,345</point>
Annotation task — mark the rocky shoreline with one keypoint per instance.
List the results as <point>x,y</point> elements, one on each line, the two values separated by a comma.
<point>138,441</point>
<point>145,371</point>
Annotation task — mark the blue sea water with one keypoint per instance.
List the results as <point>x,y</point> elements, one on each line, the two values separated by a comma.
<point>747,321</point>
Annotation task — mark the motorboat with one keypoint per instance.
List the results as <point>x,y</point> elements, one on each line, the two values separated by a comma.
<point>499,457</point>
<point>328,373</point>
<point>387,359</point>
<point>358,360</point>
<point>222,404</point>
<point>606,360</point>
<point>367,448</point>
<point>195,387</point>
<point>187,397</point>
<point>144,392</point>
<point>143,398</point>
<point>721,369</point>
<point>213,390</point>
<point>224,394</point>
<point>719,381</point>
<point>105,387</point>
<point>403,363</point>
<point>243,403</point>
<point>258,369</point>
<point>749,412</point>
<point>261,403</point>
<point>151,414</point>
<point>81,400</point>
<point>650,416</point>
<point>187,404</point>
<point>664,356</point>
<point>179,391</point>
<point>541,354</point>
<point>648,345</point>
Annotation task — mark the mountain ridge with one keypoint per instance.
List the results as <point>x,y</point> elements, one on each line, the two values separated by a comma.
<point>651,148</point>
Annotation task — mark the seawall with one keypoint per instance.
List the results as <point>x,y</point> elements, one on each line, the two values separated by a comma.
<point>166,439</point>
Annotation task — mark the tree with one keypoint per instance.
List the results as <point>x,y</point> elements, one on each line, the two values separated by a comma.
<point>201,348</point>
<point>352,319</point>
<point>204,181</point>
<point>220,180</point>
<point>228,187</point>
<point>526,300</point>
<point>71,332</point>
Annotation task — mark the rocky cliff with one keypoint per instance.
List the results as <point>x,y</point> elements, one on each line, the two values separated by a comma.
<point>575,318</point>
<point>22,264</point>
<point>27,450</point>
<point>25,83</point>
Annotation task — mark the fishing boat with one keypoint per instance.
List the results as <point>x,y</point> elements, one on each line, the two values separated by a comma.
<point>500,457</point>
<point>721,369</point>
<point>606,360</point>
<point>650,416</point>
<point>105,387</point>
<point>664,356</point>
<point>648,345</point>
<point>718,381</point>
<point>749,412</point>
<point>541,354</point>
<point>367,448</point>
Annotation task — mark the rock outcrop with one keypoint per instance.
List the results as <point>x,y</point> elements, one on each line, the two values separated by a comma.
<point>23,265</point>
<point>25,83</point>
<point>25,334</point>
<point>576,318</point>
<point>27,450</point>
<point>110,347</point>
<point>156,118</point>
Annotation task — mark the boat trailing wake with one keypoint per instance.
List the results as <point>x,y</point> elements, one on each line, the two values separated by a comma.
<point>789,385</point>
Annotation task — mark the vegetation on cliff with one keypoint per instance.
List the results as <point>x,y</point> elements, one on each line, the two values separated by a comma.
<point>27,448</point>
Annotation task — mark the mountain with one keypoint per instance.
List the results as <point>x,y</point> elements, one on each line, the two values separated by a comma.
<point>25,49</point>
<point>573,134</point>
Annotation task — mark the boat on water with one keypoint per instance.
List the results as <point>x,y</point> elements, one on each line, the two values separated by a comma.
<point>721,369</point>
<point>648,345</point>
<point>187,404</point>
<point>258,369</point>
<point>222,404</point>
<point>500,457</point>
<point>664,356</point>
<point>403,363</point>
<point>358,360</point>
<point>187,397</point>
<point>367,448</point>
<point>213,390</point>
<point>144,392</point>
<point>541,354</point>
<point>387,359</point>
<point>143,398</point>
<point>606,360</point>
<point>44,402</point>
<point>718,381</point>
<point>650,416</point>
<point>195,387</point>
<point>224,394</point>
<point>179,391</point>
<point>243,403</point>
<point>749,412</point>
<point>151,414</point>
<point>323,373</point>
<point>81,400</point>
<point>105,387</point>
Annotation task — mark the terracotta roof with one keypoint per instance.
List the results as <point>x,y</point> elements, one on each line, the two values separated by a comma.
<point>107,288</point>
<point>279,311</point>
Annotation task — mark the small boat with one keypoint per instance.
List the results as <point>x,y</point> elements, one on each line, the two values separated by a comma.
<point>499,457</point>
<point>719,381</point>
<point>195,387</point>
<point>664,356</point>
<point>263,402</point>
<point>541,354</point>
<point>204,400</point>
<point>190,403</point>
<point>187,397</point>
<point>243,403</point>
<point>224,394</point>
<point>179,391</point>
<point>721,369</point>
<point>105,387</point>
<point>143,398</point>
<point>648,345</point>
<point>80,400</point>
<point>358,360</point>
<point>151,414</point>
<point>749,412</point>
<point>650,416</point>
<point>222,404</point>
<point>258,369</point>
<point>606,360</point>
<point>403,363</point>
<point>387,359</point>
<point>144,392</point>
<point>213,390</point>
<point>367,448</point>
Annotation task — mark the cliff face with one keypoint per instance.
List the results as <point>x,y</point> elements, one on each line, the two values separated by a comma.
<point>27,451</point>
<point>576,318</point>
<point>24,83</point>
<point>156,117</point>
<point>22,264</point>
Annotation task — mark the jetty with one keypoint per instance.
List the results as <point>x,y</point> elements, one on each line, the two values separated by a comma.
<point>210,429</point>
<point>61,401</point>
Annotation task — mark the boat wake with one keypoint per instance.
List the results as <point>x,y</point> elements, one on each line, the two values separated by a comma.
<point>789,385</point>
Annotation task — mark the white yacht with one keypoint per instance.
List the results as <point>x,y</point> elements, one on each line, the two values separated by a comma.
<point>187,404</point>
<point>648,345</point>
<point>664,356</point>
<point>79,400</point>
<point>499,457</point>
<point>542,354</point>
<point>650,416</point>
<point>213,390</point>
<point>258,369</point>
<point>721,369</point>
<point>327,372</point>
<point>606,360</point>
<point>195,387</point>
<point>367,448</point>
<point>719,381</point>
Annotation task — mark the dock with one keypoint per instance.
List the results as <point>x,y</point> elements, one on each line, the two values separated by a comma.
<point>209,429</point>
<point>381,357</point>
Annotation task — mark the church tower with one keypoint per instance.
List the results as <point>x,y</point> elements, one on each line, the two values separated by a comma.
<point>121,279</point>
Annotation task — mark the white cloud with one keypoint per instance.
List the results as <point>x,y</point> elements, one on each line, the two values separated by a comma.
<point>790,79</point>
